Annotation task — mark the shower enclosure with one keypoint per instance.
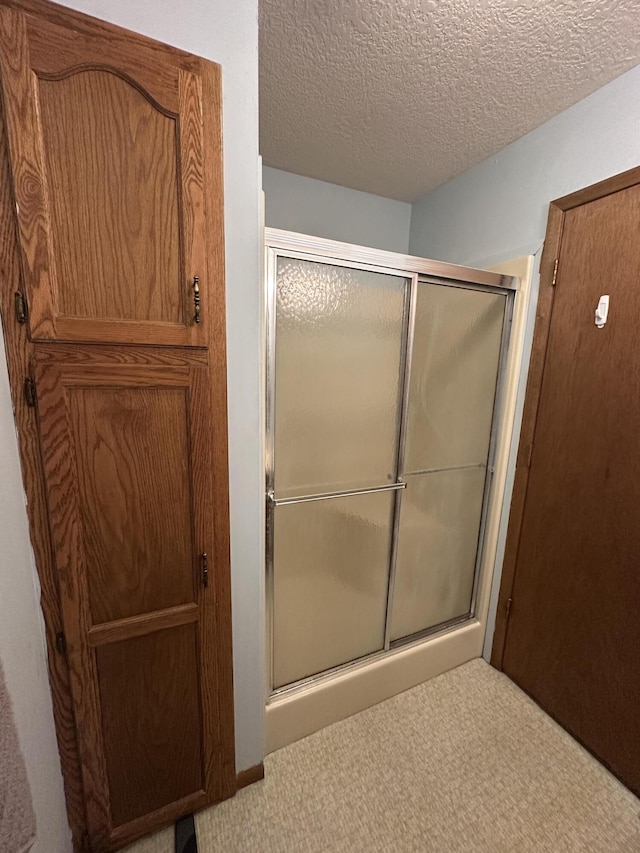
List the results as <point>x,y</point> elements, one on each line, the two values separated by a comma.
<point>384,378</point>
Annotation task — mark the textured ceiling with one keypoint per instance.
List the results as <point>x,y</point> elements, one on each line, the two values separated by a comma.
<point>395,97</point>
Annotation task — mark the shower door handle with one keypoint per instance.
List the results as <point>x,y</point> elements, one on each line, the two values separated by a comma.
<point>323,496</point>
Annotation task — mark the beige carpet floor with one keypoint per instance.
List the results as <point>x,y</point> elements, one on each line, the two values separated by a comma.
<point>465,762</point>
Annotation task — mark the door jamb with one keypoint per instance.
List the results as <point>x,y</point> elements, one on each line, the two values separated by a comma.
<point>548,274</point>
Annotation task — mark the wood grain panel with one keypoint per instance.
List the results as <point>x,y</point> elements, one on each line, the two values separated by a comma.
<point>219,765</point>
<point>97,374</point>
<point>19,353</point>
<point>124,414</point>
<point>122,41</point>
<point>120,356</point>
<point>216,439</point>
<point>250,776</point>
<point>27,165</point>
<point>152,731</point>
<point>111,161</point>
<point>192,182</point>
<point>614,184</point>
<point>127,332</point>
<point>133,464</point>
<point>110,185</point>
<point>573,635</point>
<point>64,523</point>
<point>137,626</point>
<point>148,823</point>
<point>153,69</point>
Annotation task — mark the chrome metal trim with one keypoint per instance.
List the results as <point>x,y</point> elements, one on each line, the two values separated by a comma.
<point>493,443</point>
<point>393,559</point>
<point>310,682</point>
<point>271,269</point>
<point>271,272</point>
<point>466,285</point>
<point>447,468</point>
<point>420,636</point>
<point>406,376</point>
<point>409,332</point>
<point>290,241</point>
<point>332,261</point>
<point>300,499</point>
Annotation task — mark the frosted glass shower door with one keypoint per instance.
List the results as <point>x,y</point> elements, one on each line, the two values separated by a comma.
<point>339,337</point>
<point>339,347</point>
<point>457,342</point>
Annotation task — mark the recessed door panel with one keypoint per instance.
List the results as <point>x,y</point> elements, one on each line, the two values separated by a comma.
<point>111,160</point>
<point>134,491</point>
<point>338,364</point>
<point>111,184</point>
<point>152,732</point>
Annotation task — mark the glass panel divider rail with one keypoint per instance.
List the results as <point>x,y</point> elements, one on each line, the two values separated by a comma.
<point>404,381</point>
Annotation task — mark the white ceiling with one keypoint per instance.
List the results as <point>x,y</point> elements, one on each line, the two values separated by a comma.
<point>395,97</point>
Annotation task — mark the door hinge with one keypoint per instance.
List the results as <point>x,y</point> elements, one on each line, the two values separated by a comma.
<point>61,643</point>
<point>30,392</point>
<point>204,561</point>
<point>509,603</point>
<point>529,455</point>
<point>20,304</point>
<point>555,272</point>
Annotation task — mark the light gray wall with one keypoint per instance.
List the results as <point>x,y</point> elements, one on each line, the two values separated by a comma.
<point>499,208</point>
<point>225,31</point>
<point>320,209</point>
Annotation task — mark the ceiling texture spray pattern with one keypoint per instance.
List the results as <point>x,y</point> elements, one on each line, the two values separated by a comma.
<point>394,97</point>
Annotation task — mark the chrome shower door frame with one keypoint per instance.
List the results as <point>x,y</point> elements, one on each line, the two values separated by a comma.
<point>413,270</point>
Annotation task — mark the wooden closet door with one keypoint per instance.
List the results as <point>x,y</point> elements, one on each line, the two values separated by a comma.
<point>110,179</point>
<point>130,487</point>
<point>112,199</point>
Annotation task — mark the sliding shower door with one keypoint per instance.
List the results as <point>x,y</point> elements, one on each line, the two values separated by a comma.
<point>457,342</point>
<point>382,392</point>
<point>339,336</point>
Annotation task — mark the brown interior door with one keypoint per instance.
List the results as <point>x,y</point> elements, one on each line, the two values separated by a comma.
<point>109,176</point>
<point>573,633</point>
<point>129,482</point>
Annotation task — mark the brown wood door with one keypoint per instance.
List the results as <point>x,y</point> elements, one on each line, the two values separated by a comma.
<point>573,634</point>
<point>110,205</point>
<point>129,481</point>
<point>110,179</point>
